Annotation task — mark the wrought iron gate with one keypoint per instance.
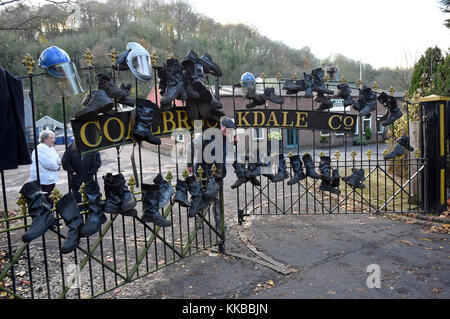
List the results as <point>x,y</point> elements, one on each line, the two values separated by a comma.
<point>390,185</point>
<point>125,249</point>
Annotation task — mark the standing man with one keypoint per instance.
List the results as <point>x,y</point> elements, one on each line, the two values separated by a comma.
<point>81,169</point>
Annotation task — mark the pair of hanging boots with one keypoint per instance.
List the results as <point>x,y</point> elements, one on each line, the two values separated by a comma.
<point>200,101</point>
<point>200,198</point>
<point>399,149</point>
<point>344,92</point>
<point>330,177</point>
<point>246,175</point>
<point>356,179</point>
<point>393,112</point>
<point>119,199</point>
<point>142,130</point>
<point>367,101</point>
<point>154,197</point>
<point>294,86</point>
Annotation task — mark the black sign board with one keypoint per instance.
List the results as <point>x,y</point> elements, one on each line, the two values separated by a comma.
<point>110,130</point>
<point>306,120</point>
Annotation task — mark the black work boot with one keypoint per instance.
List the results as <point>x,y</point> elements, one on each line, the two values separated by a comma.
<point>404,141</point>
<point>105,83</point>
<point>394,112</point>
<point>256,101</point>
<point>367,101</point>
<point>150,206</point>
<point>209,66</point>
<point>282,170</point>
<point>239,170</point>
<point>325,168</point>
<point>181,194</point>
<point>161,72</point>
<point>356,179</point>
<point>95,206</point>
<point>39,210</point>
<point>269,94</point>
<point>97,102</point>
<point>336,178</point>
<point>211,189</point>
<point>253,170</point>
<point>294,86</point>
<point>344,92</point>
<point>174,81</point>
<point>309,166</point>
<point>118,197</point>
<point>67,208</point>
<point>165,190</point>
<point>144,117</point>
<point>325,103</point>
<point>319,85</point>
<point>296,164</point>
<point>205,111</point>
<point>398,150</point>
<point>326,186</point>
<point>308,85</point>
<point>196,191</point>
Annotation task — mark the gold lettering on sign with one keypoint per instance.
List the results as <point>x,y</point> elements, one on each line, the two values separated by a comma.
<point>183,120</point>
<point>272,118</point>
<point>285,114</point>
<point>330,122</point>
<point>242,118</point>
<point>106,129</point>
<point>263,118</point>
<point>302,117</point>
<point>83,134</point>
<point>348,126</point>
<point>168,117</point>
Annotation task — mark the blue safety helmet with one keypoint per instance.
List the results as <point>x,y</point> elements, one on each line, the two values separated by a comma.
<point>247,80</point>
<point>52,57</point>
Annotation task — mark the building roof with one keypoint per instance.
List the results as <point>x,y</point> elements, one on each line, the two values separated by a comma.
<point>48,121</point>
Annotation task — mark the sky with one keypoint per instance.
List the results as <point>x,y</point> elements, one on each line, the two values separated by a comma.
<point>383,33</point>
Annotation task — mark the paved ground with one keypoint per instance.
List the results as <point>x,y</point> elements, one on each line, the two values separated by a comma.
<point>327,255</point>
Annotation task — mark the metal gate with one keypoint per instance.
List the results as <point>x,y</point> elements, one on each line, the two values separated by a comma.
<point>391,186</point>
<point>126,248</point>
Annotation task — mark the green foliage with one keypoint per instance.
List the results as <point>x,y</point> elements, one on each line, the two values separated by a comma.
<point>367,133</point>
<point>431,74</point>
<point>359,141</point>
<point>323,139</point>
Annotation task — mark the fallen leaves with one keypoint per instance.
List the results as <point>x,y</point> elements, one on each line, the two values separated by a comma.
<point>406,242</point>
<point>437,290</point>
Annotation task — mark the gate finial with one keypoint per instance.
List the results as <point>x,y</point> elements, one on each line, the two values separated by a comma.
<point>369,154</point>
<point>263,77</point>
<point>279,77</point>
<point>343,80</point>
<point>295,76</point>
<point>391,90</point>
<point>375,86</point>
<point>154,57</point>
<point>22,202</point>
<point>88,56</point>
<point>185,173</point>
<point>359,83</point>
<point>169,177</point>
<point>131,183</point>
<point>326,78</point>
<point>353,155</point>
<point>113,56</point>
<point>337,155</point>
<point>82,192</point>
<point>29,62</point>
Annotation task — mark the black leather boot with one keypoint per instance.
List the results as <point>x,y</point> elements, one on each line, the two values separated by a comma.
<point>118,197</point>
<point>239,170</point>
<point>181,194</point>
<point>294,86</point>
<point>308,85</point>
<point>309,167</point>
<point>404,141</point>
<point>209,66</point>
<point>174,81</point>
<point>326,186</point>
<point>144,117</point>
<point>344,92</point>
<point>95,206</point>
<point>319,85</point>
<point>39,210</point>
<point>253,171</point>
<point>269,94</point>
<point>336,178</point>
<point>325,103</point>
<point>161,72</point>
<point>325,168</point>
<point>282,170</point>
<point>356,179</point>
<point>394,112</point>
<point>150,206</point>
<point>98,102</point>
<point>196,191</point>
<point>165,190</point>
<point>367,101</point>
<point>206,112</point>
<point>105,83</point>
<point>257,100</point>
<point>67,208</point>
<point>297,168</point>
<point>398,150</point>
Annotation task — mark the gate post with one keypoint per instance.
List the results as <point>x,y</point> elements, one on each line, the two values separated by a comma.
<point>436,151</point>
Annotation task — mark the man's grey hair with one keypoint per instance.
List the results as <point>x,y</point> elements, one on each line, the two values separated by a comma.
<point>45,134</point>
